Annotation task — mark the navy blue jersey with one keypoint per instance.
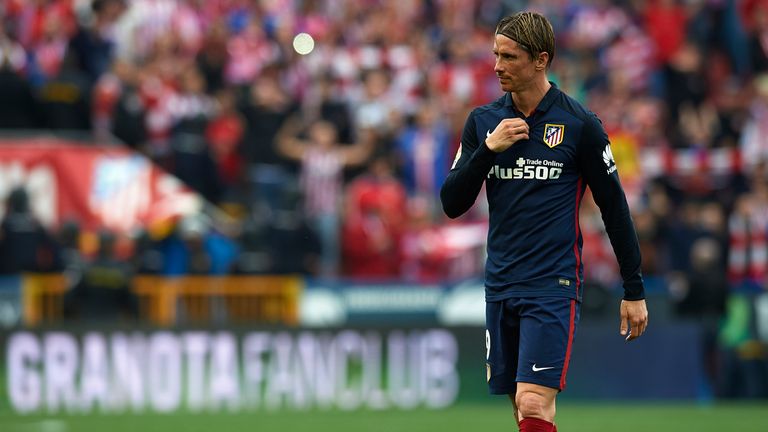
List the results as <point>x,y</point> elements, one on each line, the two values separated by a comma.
<point>534,190</point>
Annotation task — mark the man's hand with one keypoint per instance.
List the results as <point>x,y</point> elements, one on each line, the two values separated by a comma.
<point>634,318</point>
<point>507,132</point>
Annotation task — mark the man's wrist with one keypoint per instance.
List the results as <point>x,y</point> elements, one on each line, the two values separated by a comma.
<point>634,288</point>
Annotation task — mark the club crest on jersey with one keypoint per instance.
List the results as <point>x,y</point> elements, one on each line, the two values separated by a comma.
<point>553,134</point>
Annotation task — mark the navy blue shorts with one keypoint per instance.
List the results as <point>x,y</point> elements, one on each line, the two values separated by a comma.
<point>529,340</point>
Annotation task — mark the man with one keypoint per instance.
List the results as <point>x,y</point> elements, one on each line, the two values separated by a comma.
<point>537,150</point>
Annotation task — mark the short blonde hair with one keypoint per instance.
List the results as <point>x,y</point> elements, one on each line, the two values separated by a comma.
<point>532,31</point>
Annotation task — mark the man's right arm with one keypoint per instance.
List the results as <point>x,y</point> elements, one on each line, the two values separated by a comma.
<point>470,168</point>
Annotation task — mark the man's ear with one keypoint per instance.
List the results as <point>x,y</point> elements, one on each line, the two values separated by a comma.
<point>541,61</point>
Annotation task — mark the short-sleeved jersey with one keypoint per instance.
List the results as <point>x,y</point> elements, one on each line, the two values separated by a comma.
<point>534,190</point>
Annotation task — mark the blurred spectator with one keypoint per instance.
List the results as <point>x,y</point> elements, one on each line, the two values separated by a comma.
<point>93,44</point>
<point>681,235</point>
<point>701,296</point>
<point>294,246</point>
<point>18,106</point>
<point>191,107</point>
<point>198,260</point>
<point>253,255</point>
<point>36,19</point>
<point>461,77</point>
<point>635,70</point>
<point>702,292</point>
<point>596,22</point>
<point>685,86</point>
<point>214,56</point>
<point>120,107</point>
<point>375,108</point>
<point>147,258</point>
<point>72,260</point>
<point>25,246</point>
<point>374,221</point>
<point>48,38</point>
<point>748,235</point>
<point>160,82</point>
<point>13,56</point>
<point>754,138</point>
<point>195,247</point>
<point>266,109</point>
<point>423,149</point>
<point>224,134</point>
<point>756,16</point>
<point>666,22</point>
<point>191,156</point>
<point>104,292</point>
<point>434,253</point>
<point>323,102</point>
<point>190,111</point>
<point>323,161</point>
<point>65,97</point>
<point>602,270</point>
<point>250,51</point>
<point>652,244</point>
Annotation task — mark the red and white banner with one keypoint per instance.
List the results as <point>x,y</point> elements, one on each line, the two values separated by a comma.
<point>98,186</point>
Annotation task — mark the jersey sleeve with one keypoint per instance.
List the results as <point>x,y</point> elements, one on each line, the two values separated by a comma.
<point>599,170</point>
<point>470,167</point>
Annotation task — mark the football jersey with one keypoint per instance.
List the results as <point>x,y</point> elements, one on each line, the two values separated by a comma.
<point>534,190</point>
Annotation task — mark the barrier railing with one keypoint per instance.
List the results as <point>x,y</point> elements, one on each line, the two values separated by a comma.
<point>42,298</point>
<point>165,301</point>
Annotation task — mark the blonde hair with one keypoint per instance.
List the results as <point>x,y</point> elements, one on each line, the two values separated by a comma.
<point>532,31</point>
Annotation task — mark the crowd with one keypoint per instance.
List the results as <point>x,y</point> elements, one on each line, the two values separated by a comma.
<point>340,153</point>
<point>332,160</point>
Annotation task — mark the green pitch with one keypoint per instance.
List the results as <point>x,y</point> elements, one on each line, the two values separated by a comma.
<point>494,416</point>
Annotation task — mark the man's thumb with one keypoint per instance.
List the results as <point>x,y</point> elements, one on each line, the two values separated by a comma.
<point>623,327</point>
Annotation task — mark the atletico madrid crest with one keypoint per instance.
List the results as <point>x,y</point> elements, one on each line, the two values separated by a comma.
<point>553,134</point>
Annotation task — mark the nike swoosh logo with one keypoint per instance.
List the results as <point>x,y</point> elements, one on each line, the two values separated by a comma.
<point>488,133</point>
<point>537,369</point>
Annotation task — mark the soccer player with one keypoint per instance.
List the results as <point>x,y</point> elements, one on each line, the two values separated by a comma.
<point>537,150</point>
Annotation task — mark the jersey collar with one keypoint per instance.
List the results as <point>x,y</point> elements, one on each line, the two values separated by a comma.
<point>543,106</point>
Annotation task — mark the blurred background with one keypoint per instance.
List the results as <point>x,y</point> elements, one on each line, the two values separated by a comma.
<point>231,206</point>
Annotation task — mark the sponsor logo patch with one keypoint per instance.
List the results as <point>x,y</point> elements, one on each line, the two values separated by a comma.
<point>608,159</point>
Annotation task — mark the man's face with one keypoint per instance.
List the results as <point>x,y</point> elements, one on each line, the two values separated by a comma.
<point>514,65</point>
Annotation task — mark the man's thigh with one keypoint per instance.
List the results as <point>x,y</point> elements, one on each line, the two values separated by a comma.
<point>529,340</point>
<point>502,340</point>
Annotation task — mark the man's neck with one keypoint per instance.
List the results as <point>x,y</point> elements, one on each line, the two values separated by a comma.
<point>528,99</point>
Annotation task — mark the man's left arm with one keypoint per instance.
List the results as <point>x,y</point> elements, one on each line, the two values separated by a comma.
<point>599,170</point>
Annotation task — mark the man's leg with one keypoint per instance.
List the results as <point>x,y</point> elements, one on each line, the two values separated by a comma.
<point>535,407</point>
<point>515,412</point>
<point>514,408</point>
<point>547,328</point>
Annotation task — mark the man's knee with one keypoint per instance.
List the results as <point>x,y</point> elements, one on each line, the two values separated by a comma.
<point>535,404</point>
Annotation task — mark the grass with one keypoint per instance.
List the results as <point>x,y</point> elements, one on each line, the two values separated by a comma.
<point>493,416</point>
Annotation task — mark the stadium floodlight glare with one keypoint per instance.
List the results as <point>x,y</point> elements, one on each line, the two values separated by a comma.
<point>303,43</point>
